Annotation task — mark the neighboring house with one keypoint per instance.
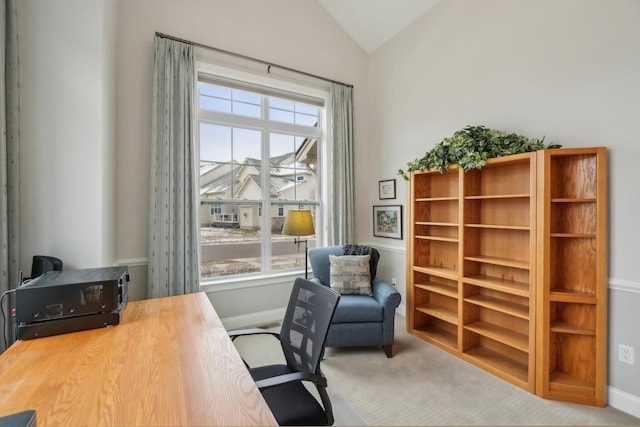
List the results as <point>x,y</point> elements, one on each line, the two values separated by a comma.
<point>291,177</point>
<point>216,183</point>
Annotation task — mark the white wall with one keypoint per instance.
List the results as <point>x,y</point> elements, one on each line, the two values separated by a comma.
<point>566,70</point>
<point>67,131</point>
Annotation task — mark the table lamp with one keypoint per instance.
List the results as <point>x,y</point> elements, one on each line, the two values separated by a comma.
<point>299,223</point>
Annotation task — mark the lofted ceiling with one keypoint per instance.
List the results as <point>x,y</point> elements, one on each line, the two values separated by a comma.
<point>372,22</point>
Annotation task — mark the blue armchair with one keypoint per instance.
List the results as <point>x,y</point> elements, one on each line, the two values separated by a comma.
<point>359,320</point>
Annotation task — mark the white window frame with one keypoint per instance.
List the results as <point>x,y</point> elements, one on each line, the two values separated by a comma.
<point>211,63</point>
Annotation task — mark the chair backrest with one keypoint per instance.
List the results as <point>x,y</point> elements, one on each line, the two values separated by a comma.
<point>306,324</point>
<point>321,266</point>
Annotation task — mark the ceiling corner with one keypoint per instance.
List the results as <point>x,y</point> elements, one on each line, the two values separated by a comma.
<point>371,23</point>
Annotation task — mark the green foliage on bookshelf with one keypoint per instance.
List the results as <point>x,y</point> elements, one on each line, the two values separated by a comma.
<point>471,147</point>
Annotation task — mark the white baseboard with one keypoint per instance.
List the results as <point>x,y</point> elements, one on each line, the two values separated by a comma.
<point>624,401</point>
<point>254,319</point>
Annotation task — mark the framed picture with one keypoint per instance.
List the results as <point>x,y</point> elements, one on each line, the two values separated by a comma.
<point>387,221</point>
<point>387,189</point>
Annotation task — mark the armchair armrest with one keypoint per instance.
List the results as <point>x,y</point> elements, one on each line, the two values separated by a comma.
<point>389,297</point>
<point>386,294</point>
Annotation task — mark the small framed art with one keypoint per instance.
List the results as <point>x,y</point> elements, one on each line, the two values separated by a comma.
<point>387,189</point>
<point>387,221</point>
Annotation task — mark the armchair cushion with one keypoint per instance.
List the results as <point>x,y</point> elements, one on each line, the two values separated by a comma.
<point>358,308</point>
<point>350,274</point>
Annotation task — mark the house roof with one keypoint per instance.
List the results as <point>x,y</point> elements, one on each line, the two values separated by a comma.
<point>216,180</point>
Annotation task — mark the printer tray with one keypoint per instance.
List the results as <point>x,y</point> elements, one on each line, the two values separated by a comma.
<point>68,324</point>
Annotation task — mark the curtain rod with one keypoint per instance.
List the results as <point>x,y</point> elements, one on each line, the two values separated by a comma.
<point>237,55</point>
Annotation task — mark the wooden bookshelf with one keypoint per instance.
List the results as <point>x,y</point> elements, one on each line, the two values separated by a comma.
<point>506,269</point>
<point>434,257</point>
<point>572,270</point>
<point>499,248</point>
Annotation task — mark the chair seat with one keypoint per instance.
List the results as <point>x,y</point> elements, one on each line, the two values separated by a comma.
<point>292,403</point>
<point>358,308</point>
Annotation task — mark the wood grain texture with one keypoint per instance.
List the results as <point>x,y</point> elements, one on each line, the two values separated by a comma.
<point>170,362</point>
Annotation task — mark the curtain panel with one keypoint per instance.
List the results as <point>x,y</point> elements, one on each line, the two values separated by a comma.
<point>342,208</point>
<point>173,232</point>
<point>9,160</point>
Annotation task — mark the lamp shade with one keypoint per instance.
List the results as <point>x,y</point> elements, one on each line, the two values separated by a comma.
<point>298,223</point>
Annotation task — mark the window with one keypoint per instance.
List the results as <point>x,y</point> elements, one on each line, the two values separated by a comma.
<point>258,153</point>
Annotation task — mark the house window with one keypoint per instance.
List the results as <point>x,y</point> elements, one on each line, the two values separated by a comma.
<point>259,153</point>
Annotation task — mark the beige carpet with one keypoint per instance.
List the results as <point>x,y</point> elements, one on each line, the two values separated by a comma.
<point>423,385</point>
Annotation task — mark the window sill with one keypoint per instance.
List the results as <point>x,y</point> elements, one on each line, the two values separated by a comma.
<point>231,283</point>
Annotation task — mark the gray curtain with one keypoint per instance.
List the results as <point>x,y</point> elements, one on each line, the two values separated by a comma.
<point>9,130</point>
<point>173,232</point>
<point>342,230</point>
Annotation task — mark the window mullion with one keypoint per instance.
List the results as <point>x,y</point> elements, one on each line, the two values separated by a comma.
<point>255,123</point>
<point>266,191</point>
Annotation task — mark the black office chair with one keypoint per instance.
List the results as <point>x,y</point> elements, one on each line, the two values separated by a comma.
<point>302,337</point>
<point>21,419</point>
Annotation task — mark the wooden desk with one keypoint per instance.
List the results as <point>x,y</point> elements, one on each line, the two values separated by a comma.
<point>169,362</point>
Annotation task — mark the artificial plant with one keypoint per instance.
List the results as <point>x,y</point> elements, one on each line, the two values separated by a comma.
<point>469,148</point>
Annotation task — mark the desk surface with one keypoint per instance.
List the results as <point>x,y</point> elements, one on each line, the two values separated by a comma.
<point>169,362</point>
